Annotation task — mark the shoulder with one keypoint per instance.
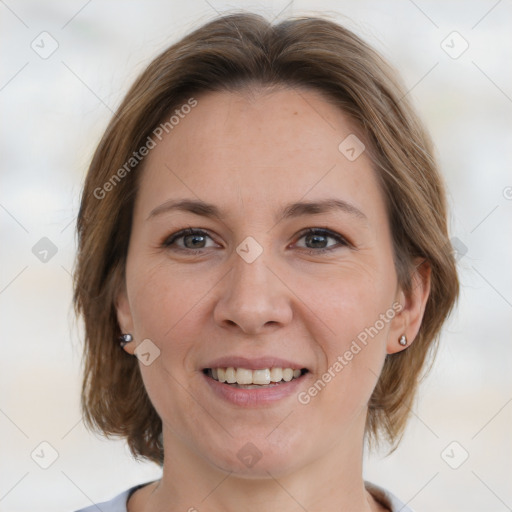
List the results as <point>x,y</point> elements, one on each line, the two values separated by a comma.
<point>116,504</point>
<point>387,498</point>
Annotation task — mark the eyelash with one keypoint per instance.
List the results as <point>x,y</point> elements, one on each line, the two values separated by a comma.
<point>169,241</point>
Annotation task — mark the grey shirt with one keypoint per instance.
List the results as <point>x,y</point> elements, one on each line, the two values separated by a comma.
<point>118,504</point>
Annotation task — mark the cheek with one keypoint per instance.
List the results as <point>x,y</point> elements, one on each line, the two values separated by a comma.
<point>167,303</point>
<point>160,297</point>
<point>355,312</point>
<point>352,299</point>
<point>165,307</point>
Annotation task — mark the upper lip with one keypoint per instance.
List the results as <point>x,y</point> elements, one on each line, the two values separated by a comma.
<point>256,363</point>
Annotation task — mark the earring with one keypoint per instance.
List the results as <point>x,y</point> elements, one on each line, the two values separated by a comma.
<point>124,339</point>
<point>402,340</point>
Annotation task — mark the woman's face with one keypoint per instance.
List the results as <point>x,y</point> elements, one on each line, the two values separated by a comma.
<point>250,288</point>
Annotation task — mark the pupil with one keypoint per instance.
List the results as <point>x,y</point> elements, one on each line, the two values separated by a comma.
<point>318,240</point>
<point>193,237</point>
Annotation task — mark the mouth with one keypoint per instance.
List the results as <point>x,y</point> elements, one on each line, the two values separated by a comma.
<point>246,378</point>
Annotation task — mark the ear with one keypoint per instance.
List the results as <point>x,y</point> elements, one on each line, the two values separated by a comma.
<point>124,316</point>
<point>408,320</point>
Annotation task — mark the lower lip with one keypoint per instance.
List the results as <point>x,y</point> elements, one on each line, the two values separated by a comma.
<point>254,397</point>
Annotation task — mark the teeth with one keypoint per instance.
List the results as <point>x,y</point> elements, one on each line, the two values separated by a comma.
<point>276,374</point>
<point>230,375</point>
<point>260,376</point>
<point>287,374</point>
<point>244,376</point>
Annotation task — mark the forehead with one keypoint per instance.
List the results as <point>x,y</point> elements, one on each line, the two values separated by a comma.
<point>258,148</point>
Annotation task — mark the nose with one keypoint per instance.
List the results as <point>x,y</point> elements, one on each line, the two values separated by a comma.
<point>253,298</point>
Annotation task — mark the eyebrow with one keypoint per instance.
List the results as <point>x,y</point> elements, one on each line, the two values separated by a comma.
<point>291,210</point>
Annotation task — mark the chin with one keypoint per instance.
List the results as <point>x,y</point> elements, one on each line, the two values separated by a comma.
<point>259,471</point>
<point>255,459</point>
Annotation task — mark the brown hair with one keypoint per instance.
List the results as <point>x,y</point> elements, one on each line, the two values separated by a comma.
<point>228,54</point>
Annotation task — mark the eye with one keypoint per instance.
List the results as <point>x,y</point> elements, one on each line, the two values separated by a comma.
<point>193,240</point>
<point>318,239</point>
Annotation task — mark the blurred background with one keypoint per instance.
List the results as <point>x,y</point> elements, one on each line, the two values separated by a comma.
<point>65,68</point>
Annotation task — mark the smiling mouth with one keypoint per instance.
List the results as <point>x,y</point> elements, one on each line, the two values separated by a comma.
<point>252,379</point>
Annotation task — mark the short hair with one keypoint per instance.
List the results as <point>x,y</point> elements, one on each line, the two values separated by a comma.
<point>232,53</point>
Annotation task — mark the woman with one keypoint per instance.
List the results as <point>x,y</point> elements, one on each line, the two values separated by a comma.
<point>263,269</point>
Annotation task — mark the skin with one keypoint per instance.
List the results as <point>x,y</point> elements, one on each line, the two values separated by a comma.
<point>250,153</point>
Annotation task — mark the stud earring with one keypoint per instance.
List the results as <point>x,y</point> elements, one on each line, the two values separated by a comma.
<point>402,340</point>
<point>124,339</point>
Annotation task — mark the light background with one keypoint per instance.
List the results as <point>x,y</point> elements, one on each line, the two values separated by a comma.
<point>53,112</point>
